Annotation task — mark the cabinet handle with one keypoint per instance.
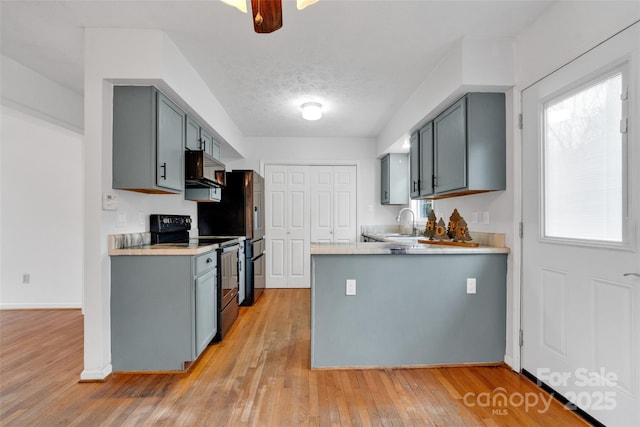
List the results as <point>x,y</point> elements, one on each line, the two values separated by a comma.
<point>632,274</point>
<point>202,144</point>
<point>209,260</point>
<point>434,181</point>
<point>414,186</point>
<point>419,184</point>
<point>164,170</point>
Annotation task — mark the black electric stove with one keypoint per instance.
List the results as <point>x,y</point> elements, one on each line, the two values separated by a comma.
<point>173,230</point>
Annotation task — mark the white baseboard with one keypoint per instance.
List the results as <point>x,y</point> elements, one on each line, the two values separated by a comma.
<point>39,306</point>
<point>509,361</point>
<point>96,375</point>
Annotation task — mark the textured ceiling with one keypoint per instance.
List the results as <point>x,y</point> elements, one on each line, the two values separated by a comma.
<point>360,59</point>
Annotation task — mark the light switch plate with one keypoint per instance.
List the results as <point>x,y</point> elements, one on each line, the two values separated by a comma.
<point>121,219</point>
<point>471,285</point>
<point>351,287</point>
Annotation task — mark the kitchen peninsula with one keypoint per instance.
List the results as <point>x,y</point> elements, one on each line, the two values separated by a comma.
<point>411,304</point>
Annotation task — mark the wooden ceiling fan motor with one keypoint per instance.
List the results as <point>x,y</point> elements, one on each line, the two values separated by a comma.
<point>267,15</point>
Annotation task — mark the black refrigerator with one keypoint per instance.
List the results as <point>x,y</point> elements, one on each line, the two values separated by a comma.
<point>240,212</point>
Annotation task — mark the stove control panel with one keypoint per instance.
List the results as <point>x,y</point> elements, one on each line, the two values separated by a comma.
<point>159,223</point>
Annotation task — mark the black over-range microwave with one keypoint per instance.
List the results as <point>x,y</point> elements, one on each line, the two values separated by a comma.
<point>202,170</point>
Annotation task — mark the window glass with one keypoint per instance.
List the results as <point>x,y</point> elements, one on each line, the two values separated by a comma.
<point>583,163</point>
<point>422,208</point>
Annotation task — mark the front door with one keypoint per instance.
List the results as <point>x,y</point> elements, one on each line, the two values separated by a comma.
<point>581,231</point>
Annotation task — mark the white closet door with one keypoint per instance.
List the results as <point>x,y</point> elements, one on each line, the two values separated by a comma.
<point>276,225</point>
<point>298,236</point>
<point>304,204</point>
<point>288,219</point>
<point>344,213</point>
<point>322,204</point>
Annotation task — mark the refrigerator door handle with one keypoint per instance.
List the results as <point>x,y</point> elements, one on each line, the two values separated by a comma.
<point>255,217</point>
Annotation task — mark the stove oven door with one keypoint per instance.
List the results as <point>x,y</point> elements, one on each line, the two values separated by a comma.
<point>228,273</point>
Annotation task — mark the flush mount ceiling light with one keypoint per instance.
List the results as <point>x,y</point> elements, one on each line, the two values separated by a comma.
<point>311,110</point>
<point>267,14</point>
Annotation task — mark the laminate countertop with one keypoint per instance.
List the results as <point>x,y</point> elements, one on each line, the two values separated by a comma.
<point>399,248</point>
<point>138,244</point>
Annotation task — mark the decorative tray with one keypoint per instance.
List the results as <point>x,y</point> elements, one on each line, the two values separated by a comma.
<point>449,243</point>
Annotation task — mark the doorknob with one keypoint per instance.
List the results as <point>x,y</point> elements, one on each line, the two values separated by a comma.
<point>632,274</point>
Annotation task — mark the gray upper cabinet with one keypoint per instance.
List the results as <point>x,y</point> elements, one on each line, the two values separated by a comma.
<point>197,138</point>
<point>450,136</point>
<point>148,141</point>
<point>394,179</point>
<point>463,150</point>
<point>425,185</point>
<point>421,161</point>
<point>192,139</point>
<point>414,166</point>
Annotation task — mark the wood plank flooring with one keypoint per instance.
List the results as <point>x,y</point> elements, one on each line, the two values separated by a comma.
<point>258,376</point>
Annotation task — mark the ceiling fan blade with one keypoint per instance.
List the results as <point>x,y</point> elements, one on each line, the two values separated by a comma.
<point>270,12</point>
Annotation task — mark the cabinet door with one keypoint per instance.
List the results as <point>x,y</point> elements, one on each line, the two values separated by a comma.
<point>215,149</point>
<point>206,310</point>
<point>425,184</point>
<point>192,140</point>
<point>414,167</point>
<point>170,145</point>
<point>450,139</point>
<point>384,180</point>
<point>207,142</point>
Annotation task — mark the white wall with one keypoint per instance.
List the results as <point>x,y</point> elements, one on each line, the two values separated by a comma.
<point>472,64</point>
<point>41,222</point>
<point>25,90</point>
<point>361,151</point>
<point>126,56</point>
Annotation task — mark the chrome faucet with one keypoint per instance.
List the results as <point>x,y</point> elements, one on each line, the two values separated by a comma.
<point>414,229</point>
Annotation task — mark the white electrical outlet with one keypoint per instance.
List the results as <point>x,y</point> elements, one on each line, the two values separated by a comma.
<point>351,287</point>
<point>26,278</point>
<point>141,218</point>
<point>471,285</point>
<point>474,218</point>
<point>485,217</point>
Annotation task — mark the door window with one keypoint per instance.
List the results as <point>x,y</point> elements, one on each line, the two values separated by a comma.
<point>584,178</point>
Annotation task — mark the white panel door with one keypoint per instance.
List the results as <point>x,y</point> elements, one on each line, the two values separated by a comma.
<point>287,231</point>
<point>322,204</point>
<point>276,226</point>
<point>581,263</point>
<point>298,209</point>
<point>345,229</point>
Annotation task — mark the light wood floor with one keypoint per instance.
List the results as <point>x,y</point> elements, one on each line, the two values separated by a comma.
<point>258,376</point>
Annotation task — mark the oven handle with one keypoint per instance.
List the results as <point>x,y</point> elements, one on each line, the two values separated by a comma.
<point>230,248</point>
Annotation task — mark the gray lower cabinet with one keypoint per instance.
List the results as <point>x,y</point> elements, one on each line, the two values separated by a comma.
<point>463,150</point>
<point>394,186</point>
<point>163,310</point>
<point>197,138</point>
<point>148,141</point>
